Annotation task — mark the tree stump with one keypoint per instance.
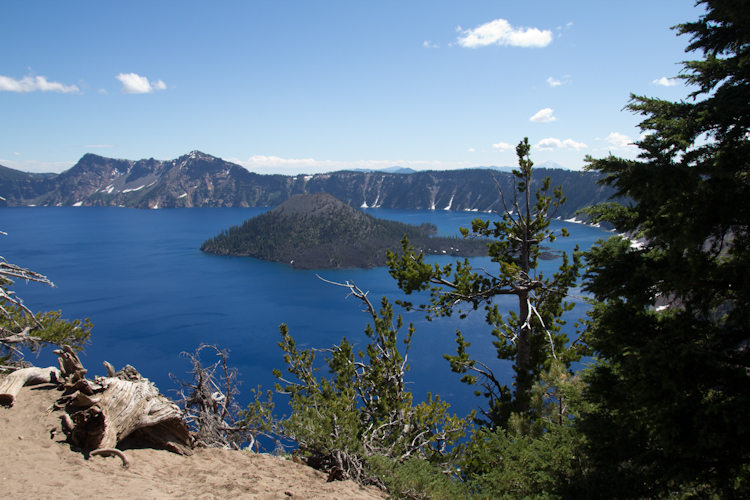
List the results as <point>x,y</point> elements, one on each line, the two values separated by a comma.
<point>109,409</point>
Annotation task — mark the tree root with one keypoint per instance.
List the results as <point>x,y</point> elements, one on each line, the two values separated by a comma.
<point>112,451</point>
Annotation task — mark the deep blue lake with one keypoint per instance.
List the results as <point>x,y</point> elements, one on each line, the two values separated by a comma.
<point>151,294</point>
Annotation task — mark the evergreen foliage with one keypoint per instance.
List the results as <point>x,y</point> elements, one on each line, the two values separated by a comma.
<point>516,463</point>
<point>671,321</point>
<point>532,337</point>
<point>363,410</point>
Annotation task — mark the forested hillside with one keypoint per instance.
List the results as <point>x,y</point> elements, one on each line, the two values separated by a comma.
<point>318,231</point>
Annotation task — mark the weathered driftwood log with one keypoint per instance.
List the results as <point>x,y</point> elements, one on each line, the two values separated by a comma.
<point>109,409</point>
<point>11,385</point>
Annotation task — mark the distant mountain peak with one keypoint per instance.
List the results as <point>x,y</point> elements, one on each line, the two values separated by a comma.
<point>397,170</point>
<point>198,155</point>
<point>549,164</point>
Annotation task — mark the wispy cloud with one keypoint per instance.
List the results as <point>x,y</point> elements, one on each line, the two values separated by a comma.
<point>543,116</point>
<point>502,146</point>
<point>429,45</point>
<point>471,150</point>
<point>16,154</point>
<point>554,82</point>
<point>500,32</point>
<point>33,84</point>
<point>103,91</point>
<point>619,140</point>
<point>133,83</point>
<point>551,143</point>
<point>666,82</point>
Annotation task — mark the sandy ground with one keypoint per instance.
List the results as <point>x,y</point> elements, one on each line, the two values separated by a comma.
<point>37,463</point>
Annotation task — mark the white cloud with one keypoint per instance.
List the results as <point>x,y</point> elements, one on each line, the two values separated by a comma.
<point>500,32</point>
<point>33,83</point>
<point>554,82</point>
<point>290,166</point>
<point>569,24</point>
<point>619,140</point>
<point>666,82</point>
<point>103,91</point>
<point>471,150</point>
<point>550,143</point>
<point>136,84</point>
<point>502,146</point>
<point>275,161</point>
<point>429,45</point>
<point>16,154</point>
<point>543,116</point>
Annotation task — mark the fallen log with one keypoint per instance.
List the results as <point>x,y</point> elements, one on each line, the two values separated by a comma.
<point>109,409</point>
<point>11,385</point>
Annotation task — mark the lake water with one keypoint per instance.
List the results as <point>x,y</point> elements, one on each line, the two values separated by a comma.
<point>151,294</point>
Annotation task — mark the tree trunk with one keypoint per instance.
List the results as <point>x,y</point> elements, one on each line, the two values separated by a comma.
<point>11,385</point>
<point>523,356</point>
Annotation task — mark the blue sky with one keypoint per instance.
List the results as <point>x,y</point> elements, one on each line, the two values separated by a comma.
<point>303,87</point>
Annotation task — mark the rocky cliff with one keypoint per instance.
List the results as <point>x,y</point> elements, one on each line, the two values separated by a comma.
<point>201,180</point>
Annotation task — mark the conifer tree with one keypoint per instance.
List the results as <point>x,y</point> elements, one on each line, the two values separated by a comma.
<point>363,410</point>
<point>671,323</point>
<point>532,336</point>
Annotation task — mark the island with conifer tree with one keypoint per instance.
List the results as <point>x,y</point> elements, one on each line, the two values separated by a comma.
<point>319,231</point>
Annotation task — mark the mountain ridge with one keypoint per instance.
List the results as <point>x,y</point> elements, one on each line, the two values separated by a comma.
<point>197,179</point>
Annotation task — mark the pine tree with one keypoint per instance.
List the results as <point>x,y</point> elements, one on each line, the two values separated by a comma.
<point>532,336</point>
<point>363,410</point>
<point>671,320</point>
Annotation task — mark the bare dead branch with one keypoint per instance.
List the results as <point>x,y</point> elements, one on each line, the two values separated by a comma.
<point>112,451</point>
